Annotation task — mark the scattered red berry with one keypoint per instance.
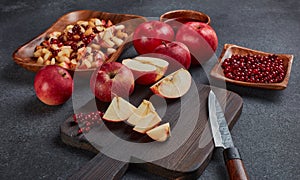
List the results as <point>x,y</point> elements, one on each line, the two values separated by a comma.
<point>254,68</point>
<point>87,120</point>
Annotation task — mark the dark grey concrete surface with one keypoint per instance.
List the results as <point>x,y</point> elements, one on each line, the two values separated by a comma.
<point>267,133</point>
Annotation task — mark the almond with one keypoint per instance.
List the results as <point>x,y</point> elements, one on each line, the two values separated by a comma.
<point>110,51</point>
<point>118,41</point>
<point>40,60</point>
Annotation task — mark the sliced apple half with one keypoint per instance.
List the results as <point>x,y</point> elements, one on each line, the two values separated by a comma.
<point>146,70</point>
<point>147,122</point>
<point>119,110</point>
<point>160,133</point>
<point>174,85</point>
<point>144,109</point>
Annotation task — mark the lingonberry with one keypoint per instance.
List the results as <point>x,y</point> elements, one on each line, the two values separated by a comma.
<point>254,68</point>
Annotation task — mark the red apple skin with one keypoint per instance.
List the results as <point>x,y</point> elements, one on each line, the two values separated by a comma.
<point>53,85</point>
<point>110,80</point>
<point>148,35</point>
<point>200,38</point>
<point>175,50</point>
<point>146,78</point>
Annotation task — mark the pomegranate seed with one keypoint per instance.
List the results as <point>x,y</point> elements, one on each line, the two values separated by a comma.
<point>54,52</point>
<point>60,44</point>
<point>68,43</point>
<point>95,30</point>
<point>74,46</point>
<point>54,41</point>
<point>61,38</point>
<point>80,131</point>
<point>76,29</point>
<point>254,68</point>
<point>87,120</point>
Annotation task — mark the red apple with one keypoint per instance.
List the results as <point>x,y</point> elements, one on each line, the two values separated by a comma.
<point>110,80</point>
<point>200,38</point>
<point>177,51</point>
<point>148,35</point>
<point>53,85</point>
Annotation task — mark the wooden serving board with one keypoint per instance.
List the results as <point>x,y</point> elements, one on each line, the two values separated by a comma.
<point>187,162</point>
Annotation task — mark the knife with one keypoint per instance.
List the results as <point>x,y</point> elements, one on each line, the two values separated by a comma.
<point>222,138</point>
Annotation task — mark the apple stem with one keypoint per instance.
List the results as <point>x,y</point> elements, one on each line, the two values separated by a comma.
<point>112,75</point>
<point>164,43</point>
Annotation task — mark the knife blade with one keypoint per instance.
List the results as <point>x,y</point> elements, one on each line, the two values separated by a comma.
<point>222,138</point>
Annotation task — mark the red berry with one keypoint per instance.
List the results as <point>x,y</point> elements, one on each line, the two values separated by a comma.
<point>254,68</point>
<point>87,120</point>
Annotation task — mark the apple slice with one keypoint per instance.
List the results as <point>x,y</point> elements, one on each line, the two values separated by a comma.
<point>175,85</point>
<point>147,122</point>
<point>144,108</point>
<point>146,70</point>
<point>118,110</point>
<point>160,133</point>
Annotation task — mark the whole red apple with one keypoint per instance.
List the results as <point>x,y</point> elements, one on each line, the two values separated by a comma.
<point>53,85</point>
<point>148,35</point>
<point>200,38</point>
<point>110,80</point>
<point>177,51</point>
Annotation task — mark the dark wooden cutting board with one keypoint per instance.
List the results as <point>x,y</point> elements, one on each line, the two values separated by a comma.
<point>187,162</point>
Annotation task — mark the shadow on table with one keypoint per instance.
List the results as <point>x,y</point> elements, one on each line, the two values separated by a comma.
<point>256,93</point>
<point>34,107</point>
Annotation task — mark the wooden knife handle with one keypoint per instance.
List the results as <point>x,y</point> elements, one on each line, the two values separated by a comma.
<point>235,165</point>
<point>101,167</point>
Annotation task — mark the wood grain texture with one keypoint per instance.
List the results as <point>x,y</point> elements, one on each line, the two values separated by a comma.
<point>110,169</point>
<point>236,170</point>
<point>231,49</point>
<point>23,56</point>
<point>190,159</point>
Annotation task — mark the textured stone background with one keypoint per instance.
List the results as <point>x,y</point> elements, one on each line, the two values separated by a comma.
<point>267,132</point>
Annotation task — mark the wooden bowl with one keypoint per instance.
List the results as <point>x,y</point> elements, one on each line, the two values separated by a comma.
<point>23,56</point>
<point>185,15</point>
<point>231,49</point>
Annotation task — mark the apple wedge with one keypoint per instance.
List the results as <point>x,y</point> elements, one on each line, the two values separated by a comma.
<point>118,110</point>
<point>146,70</point>
<point>147,122</point>
<point>160,133</point>
<point>144,108</point>
<point>174,85</point>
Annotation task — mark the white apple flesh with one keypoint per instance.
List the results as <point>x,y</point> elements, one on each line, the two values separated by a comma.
<point>174,85</point>
<point>144,108</point>
<point>119,110</point>
<point>160,133</point>
<point>147,122</point>
<point>146,70</point>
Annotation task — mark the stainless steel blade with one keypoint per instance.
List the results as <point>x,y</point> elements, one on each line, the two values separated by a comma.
<point>218,123</point>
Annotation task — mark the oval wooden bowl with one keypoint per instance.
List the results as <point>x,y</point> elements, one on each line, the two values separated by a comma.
<point>231,49</point>
<point>23,56</point>
<point>186,14</point>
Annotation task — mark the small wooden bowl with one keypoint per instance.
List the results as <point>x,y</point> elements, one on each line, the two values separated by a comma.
<point>231,49</point>
<point>185,15</point>
<point>23,56</point>
<point>178,17</point>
